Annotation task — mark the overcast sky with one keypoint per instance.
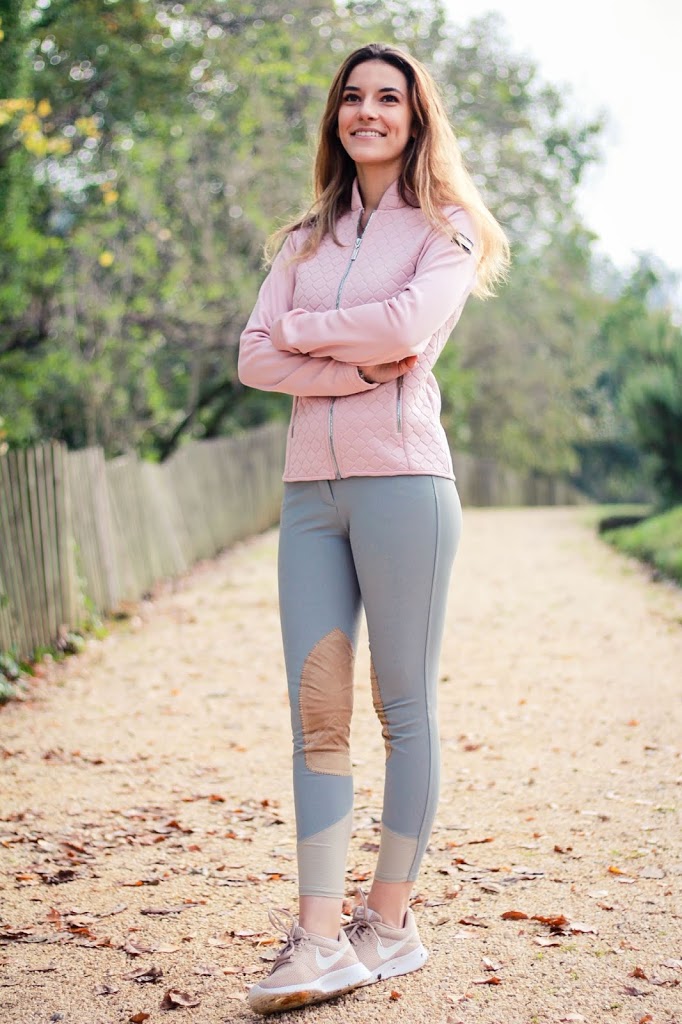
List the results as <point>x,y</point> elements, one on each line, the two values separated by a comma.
<point>623,56</point>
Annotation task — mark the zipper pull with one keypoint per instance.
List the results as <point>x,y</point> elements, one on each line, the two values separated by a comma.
<point>358,242</point>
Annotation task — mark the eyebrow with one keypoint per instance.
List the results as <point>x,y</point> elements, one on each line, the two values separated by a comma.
<point>386,88</point>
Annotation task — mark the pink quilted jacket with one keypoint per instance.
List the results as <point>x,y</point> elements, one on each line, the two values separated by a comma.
<point>396,290</point>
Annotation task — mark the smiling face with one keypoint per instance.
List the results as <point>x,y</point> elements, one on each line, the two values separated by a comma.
<point>375,116</point>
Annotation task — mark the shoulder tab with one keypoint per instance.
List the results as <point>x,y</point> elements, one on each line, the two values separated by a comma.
<point>463,242</point>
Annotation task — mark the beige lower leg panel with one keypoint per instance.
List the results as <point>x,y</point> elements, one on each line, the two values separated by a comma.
<point>322,860</point>
<point>396,854</point>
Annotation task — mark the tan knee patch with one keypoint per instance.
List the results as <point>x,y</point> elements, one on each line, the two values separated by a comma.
<point>326,704</point>
<point>380,710</point>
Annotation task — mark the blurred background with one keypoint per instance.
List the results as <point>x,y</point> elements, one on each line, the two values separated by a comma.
<point>147,148</point>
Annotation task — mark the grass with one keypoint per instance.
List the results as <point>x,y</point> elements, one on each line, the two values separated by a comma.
<point>656,541</point>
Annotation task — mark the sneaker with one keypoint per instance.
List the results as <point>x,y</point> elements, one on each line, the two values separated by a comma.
<point>308,969</point>
<point>385,951</point>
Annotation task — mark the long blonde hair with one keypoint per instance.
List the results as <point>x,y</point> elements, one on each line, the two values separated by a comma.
<point>433,175</point>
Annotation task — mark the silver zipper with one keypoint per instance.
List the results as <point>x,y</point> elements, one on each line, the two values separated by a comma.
<point>293,414</point>
<point>331,438</point>
<point>399,405</point>
<point>351,261</point>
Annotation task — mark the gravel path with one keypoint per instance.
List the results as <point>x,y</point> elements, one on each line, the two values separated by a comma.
<point>146,822</point>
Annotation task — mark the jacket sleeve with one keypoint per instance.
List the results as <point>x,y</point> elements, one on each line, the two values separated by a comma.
<point>262,366</point>
<point>383,332</point>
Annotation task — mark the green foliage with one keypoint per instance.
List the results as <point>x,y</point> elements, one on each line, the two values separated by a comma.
<point>657,541</point>
<point>9,667</point>
<point>10,685</point>
<point>654,400</point>
<point>634,354</point>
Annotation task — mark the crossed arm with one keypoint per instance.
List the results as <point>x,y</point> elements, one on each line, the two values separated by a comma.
<point>278,341</point>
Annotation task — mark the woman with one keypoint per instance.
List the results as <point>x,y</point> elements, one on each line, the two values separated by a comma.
<point>350,321</point>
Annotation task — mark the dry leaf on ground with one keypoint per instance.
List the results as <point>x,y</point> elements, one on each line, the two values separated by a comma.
<point>173,998</point>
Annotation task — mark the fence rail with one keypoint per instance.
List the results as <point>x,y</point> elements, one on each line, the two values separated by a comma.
<point>79,534</point>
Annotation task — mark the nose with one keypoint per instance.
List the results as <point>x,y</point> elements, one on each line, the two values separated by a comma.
<point>367,109</point>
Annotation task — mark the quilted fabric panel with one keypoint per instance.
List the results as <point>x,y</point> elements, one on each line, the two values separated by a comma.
<point>365,431</point>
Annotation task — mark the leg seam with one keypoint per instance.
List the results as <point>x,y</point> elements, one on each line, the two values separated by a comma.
<point>426,653</point>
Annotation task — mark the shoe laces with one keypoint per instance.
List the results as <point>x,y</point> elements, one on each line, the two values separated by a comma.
<point>360,920</point>
<point>295,935</point>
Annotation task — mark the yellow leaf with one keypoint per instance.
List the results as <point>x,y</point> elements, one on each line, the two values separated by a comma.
<point>106,259</point>
<point>29,123</point>
<point>36,143</point>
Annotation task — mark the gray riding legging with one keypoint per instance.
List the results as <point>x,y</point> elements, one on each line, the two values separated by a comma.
<point>388,543</point>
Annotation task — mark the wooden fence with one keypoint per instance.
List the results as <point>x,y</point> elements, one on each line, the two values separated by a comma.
<point>81,535</point>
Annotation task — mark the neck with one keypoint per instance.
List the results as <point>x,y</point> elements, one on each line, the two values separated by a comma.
<point>373,182</point>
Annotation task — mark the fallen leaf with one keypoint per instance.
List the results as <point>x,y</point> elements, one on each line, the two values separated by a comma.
<point>458,999</point>
<point>578,928</point>
<point>645,1019</point>
<point>492,980</point>
<point>652,872</point>
<point>395,995</point>
<point>557,921</point>
<point>474,922</point>
<point>632,991</point>
<point>527,874</point>
<point>62,875</point>
<point>135,948</point>
<point>144,975</point>
<point>514,915</point>
<point>638,973</point>
<point>137,1018</point>
<point>542,940</point>
<point>106,990</point>
<point>160,911</point>
<point>613,870</point>
<point>490,965</point>
<point>675,965</point>
<point>173,998</point>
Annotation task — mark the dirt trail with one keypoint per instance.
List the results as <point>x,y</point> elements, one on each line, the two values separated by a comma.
<point>152,774</point>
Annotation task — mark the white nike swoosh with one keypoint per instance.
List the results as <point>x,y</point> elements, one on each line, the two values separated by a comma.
<point>325,962</point>
<point>387,951</point>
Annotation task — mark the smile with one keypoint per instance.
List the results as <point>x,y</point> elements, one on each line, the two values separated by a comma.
<point>367,134</point>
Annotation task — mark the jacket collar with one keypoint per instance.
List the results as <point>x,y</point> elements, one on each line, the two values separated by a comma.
<point>389,201</point>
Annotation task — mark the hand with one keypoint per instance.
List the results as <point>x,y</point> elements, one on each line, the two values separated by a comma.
<point>383,372</point>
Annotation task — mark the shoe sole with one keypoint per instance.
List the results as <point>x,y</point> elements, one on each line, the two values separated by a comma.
<point>291,997</point>
<point>400,965</point>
